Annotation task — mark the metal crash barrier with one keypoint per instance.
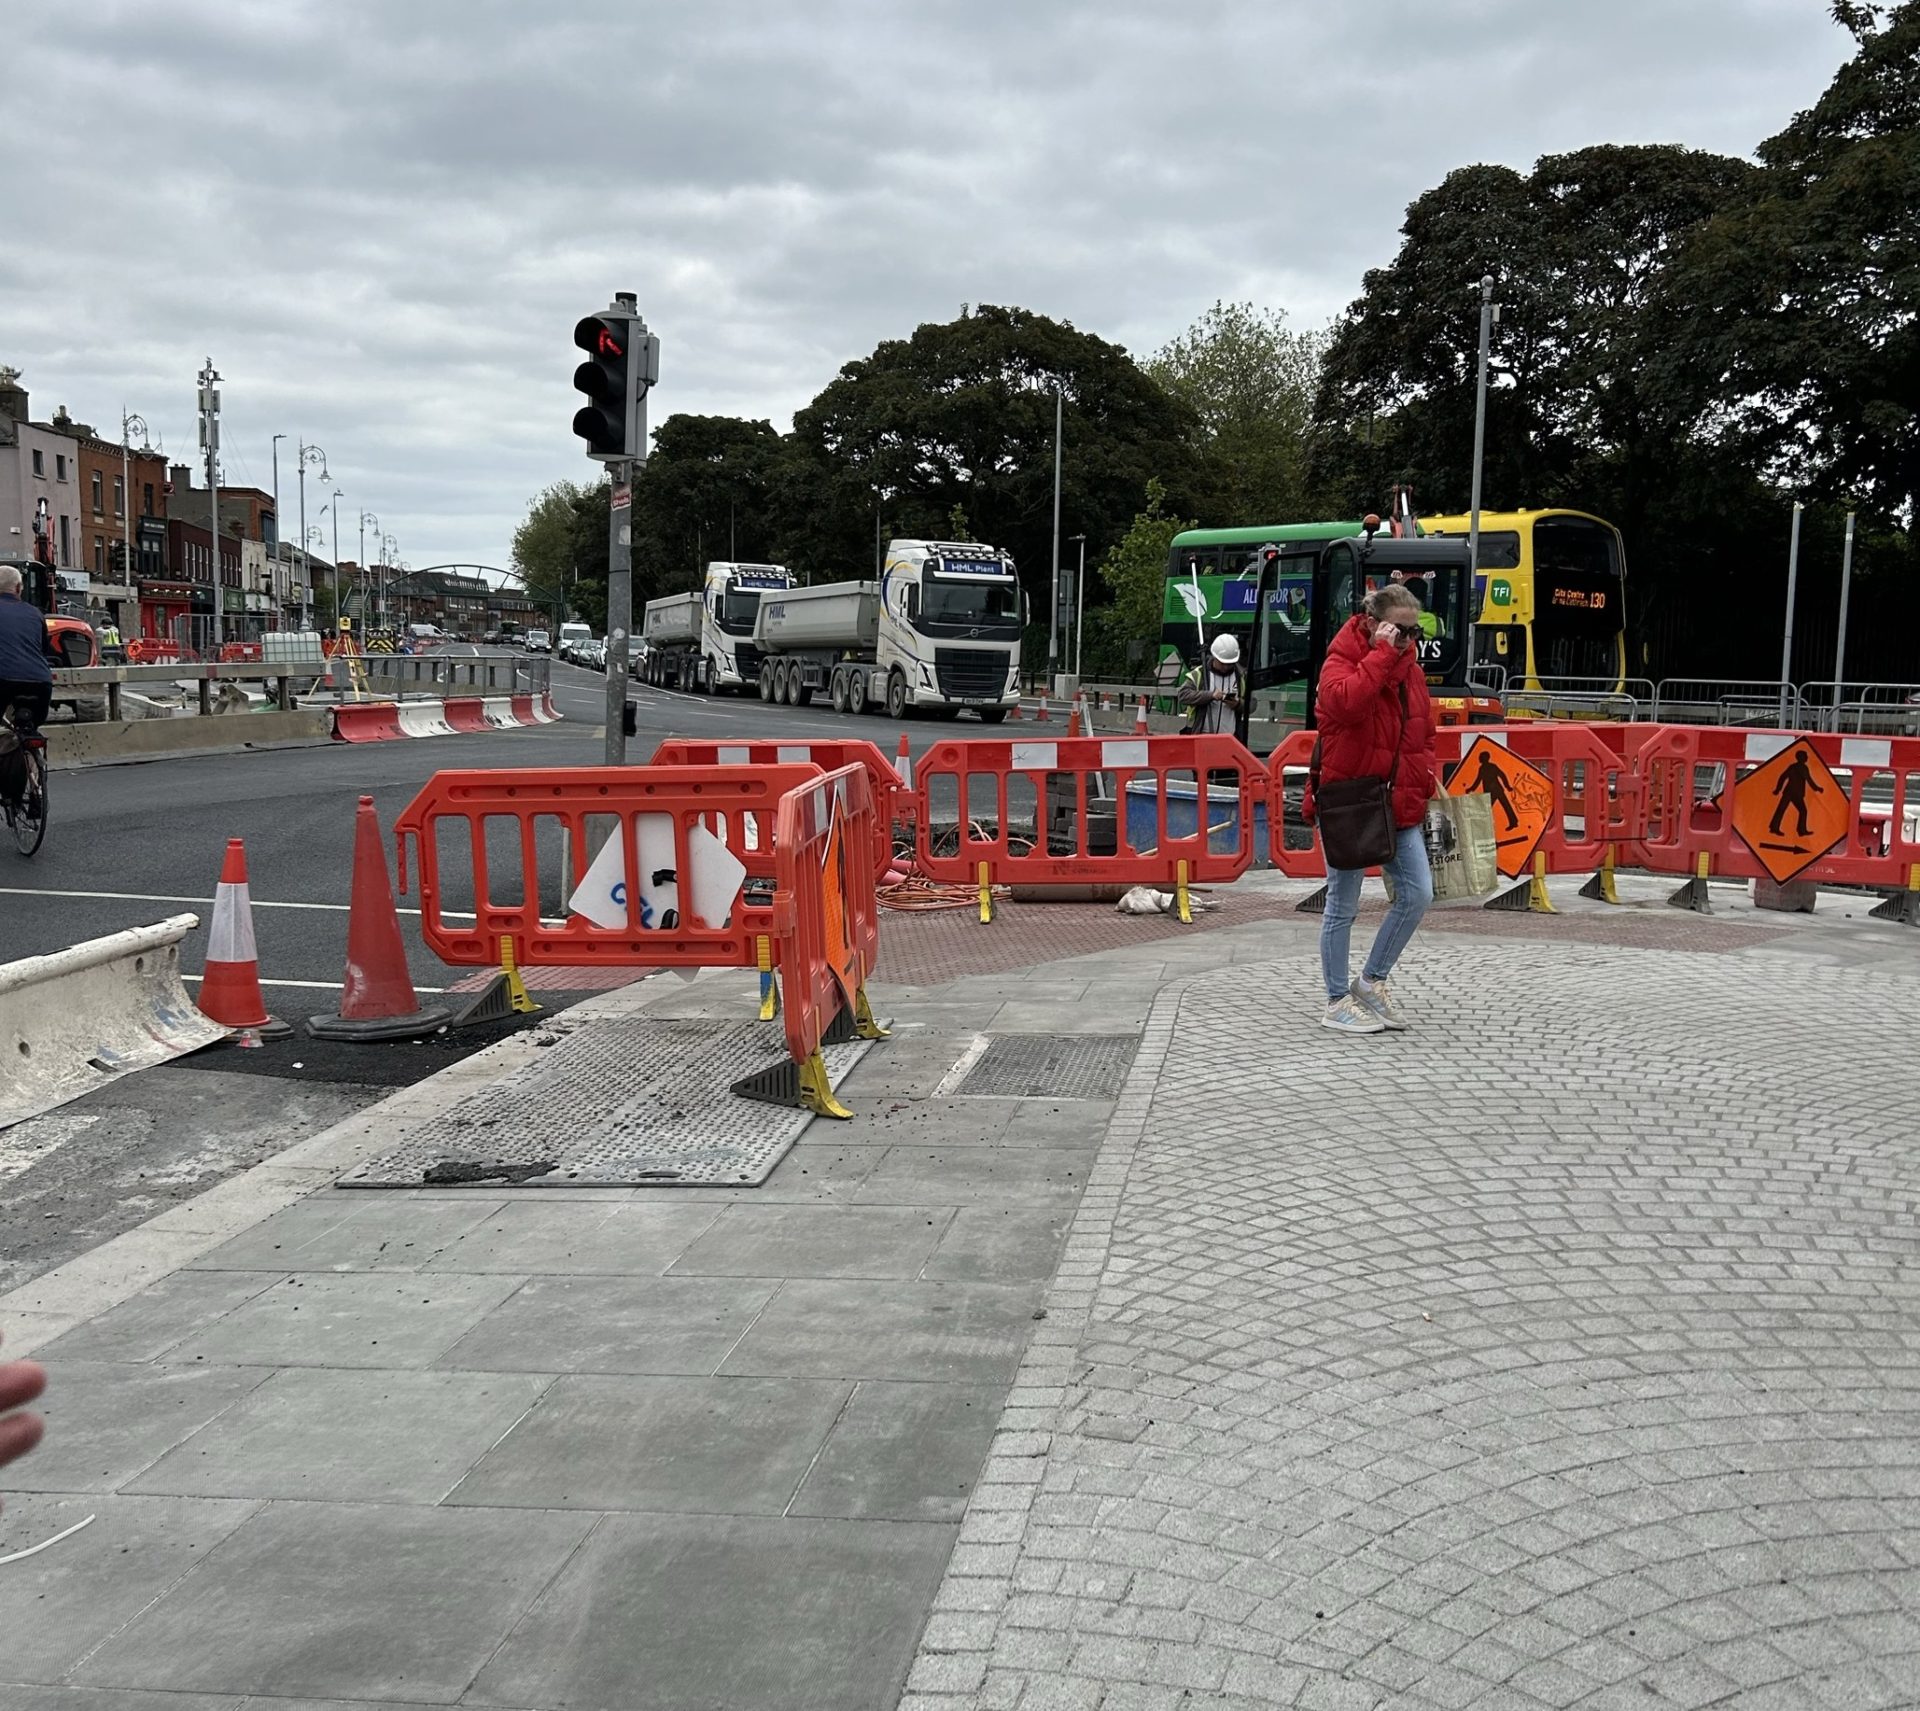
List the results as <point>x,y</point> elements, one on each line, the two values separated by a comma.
<point>1170,811</point>
<point>651,867</point>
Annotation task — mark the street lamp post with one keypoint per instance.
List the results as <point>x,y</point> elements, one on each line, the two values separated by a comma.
<point>337,497</point>
<point>1053,572</point>
<point>1489,314</point>
<point>128,422</point>
<point>1079,608</point>
<point>367,517</point>
<point>318,459</point>
<point>279,533</point>
<point>389,553</point>
<point>210,441</point>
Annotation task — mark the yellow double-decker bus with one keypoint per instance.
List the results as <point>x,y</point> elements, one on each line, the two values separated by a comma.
<point>1549,598</point>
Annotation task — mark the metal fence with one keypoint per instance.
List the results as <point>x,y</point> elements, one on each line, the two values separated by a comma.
<point>439,674</point>
<point>1877,709</point>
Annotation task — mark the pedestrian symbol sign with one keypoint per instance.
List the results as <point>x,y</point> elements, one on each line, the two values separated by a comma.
<point>1522,799</point>
<point>1790,811</point>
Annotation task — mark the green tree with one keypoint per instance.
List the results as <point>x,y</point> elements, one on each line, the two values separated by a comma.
<point>705,492</point>
<point>1796,310</point>
<point>1248,381</point>
<point>962,413</point>
<point>1134,573</point>
<point>560,549</point>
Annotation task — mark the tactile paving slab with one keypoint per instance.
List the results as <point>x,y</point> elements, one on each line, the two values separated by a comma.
<point>1051,1066</point>
<point>630,1104</point>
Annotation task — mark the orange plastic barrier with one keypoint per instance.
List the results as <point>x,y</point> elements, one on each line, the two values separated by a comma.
<point>476,841</point>
<point>1167,811</point>
<point>238,653</point>
<point>1782,805</point>
<point>150,650</point>
<point>826,920</point>
<point>891,801</point>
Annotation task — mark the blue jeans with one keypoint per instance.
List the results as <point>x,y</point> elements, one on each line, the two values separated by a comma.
<point>1412,895</point>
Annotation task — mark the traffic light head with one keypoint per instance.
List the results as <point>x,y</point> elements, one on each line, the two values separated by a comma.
<point>608,378</point>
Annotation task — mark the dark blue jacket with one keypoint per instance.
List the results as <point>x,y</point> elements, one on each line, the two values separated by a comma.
<point>25,650</point>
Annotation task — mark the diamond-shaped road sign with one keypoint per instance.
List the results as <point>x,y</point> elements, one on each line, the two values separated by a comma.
<point>1790,811</point>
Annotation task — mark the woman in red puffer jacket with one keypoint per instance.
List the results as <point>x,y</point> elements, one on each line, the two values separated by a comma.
<point>1373,706</point>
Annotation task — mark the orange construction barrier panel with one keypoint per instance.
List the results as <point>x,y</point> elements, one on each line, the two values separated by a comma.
<point>827,923</point>
<point>892,800</point>
<point>1168,811</point>
<point>643,867</point>
<point>1784,806</point>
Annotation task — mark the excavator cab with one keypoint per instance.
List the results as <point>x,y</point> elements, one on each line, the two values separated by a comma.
<point>1307,593</point>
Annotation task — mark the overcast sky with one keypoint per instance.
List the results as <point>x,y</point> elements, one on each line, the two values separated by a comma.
<point>381,218</point>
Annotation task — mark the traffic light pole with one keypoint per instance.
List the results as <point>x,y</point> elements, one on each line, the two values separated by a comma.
<point>619,607</point>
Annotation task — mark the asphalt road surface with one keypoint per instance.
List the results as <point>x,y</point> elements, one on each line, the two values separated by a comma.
<point>128,845</point>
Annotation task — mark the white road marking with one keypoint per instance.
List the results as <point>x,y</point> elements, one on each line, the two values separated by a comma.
<point>313,985</point>
<point>962,1065</point>
<point>204,902</point>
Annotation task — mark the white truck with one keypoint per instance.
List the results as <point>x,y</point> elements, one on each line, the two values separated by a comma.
<point>704,639</point>
<point>939,632</point>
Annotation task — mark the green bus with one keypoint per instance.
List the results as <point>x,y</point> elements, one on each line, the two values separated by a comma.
<point>1212,580</point>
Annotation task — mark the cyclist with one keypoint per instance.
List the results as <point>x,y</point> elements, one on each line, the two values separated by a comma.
<point>27,659</point>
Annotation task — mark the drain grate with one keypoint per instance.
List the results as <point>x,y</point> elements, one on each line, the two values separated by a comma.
<point>630,1104</point>
<point>1051,1066</point>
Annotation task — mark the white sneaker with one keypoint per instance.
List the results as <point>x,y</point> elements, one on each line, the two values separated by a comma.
<point>1349,1016</point>
<point>1376,997</point>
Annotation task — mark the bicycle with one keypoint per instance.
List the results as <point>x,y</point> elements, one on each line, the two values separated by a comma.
<point>26,818</point>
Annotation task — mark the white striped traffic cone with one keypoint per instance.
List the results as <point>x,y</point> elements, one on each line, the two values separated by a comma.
<point>1140,718</point>
<point>230,984</point>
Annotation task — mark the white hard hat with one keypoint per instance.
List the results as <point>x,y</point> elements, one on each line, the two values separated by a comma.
<point>1225,650</point>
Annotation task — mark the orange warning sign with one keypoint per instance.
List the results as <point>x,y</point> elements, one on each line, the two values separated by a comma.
<point>1790,811</point>
<point>1522,797</point>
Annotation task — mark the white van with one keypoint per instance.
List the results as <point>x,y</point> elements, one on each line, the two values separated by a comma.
<point>574,638</point>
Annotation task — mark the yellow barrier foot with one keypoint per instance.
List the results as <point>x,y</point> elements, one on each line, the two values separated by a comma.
<point>1538,899</point>
<point>1514,901</point>
<point>863,1022</point>
<point>986,896</point>
<point>1693,895</point>
<point>1314,905</point>
<point>816,1091</point>
<point>1184,902</point>
<point>769,992</point>
<point>519,998</point>
<point>1601,887</point>
<point>1902,906</point>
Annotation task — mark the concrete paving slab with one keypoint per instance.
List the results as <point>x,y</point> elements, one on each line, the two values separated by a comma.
<point>56,1606</point>
<point>366,1319</point>
<point>111,1699</point>
<point>271,1244</point>
<point>1057,1122</point>
<point>963,1333</point>
<point>903,1119</point>
<point>718,1446</point>
<point>165,1313</point>
<point>344,1601</point>
<point>1102,1012</point>
<point>348,1437</point>
<point>108,1422</point>
<point>902,1452</point>
<point>976,1176</point>
<point>381,1235</point>
<point>668,1326</point>
<point>560,1237</point>
<point>666,1613</point>
<point>817,1241</point>
<point>820,1168</point>
<point>999,1244</point>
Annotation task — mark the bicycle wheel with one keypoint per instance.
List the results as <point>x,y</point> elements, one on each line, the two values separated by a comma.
<point>30,818</point>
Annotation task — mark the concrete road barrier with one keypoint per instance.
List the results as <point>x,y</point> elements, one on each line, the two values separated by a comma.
<point>104,741</point>
<point>79,1018</point>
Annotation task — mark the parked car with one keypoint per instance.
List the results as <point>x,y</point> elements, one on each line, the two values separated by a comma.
<point>593,655</point>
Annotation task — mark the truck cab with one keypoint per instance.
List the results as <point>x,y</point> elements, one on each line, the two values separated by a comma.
<point>951,616</point>
<point>730,603</point>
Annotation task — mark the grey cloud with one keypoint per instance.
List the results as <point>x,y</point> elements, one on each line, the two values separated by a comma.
<point>381,217</point>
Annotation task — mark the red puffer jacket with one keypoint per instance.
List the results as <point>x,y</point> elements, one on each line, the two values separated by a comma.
<point>1360,719</point>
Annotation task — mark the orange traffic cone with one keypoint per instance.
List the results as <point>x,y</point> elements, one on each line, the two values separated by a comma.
<point>230,987</point>
<point>378,1002</point>
<point>1043,717</point>
<point>1073,718</point>
<point>903,763</point>
<point>1140,718</point>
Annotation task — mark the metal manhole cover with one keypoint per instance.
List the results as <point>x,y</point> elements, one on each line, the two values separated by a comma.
<point>1051,1066</point>
<point>631,1104</point>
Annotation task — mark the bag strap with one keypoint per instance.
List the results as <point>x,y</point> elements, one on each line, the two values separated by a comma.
<point>1406,717</point>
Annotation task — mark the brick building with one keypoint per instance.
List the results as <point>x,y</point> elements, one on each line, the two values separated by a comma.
<point>40,497</point>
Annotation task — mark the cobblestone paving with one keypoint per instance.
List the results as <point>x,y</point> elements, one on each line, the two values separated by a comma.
<point>1561,1352</point>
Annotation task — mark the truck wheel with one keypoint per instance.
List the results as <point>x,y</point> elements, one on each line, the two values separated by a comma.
<point>802,690</point>
<point>766,680</point>
<point>839,693</point>
<point>993,715</point>
<point>856,692</point>
<point>793,684</point>
<point>896,697</point>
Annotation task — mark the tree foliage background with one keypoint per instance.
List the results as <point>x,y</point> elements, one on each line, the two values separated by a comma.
<point>1687,343</point>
